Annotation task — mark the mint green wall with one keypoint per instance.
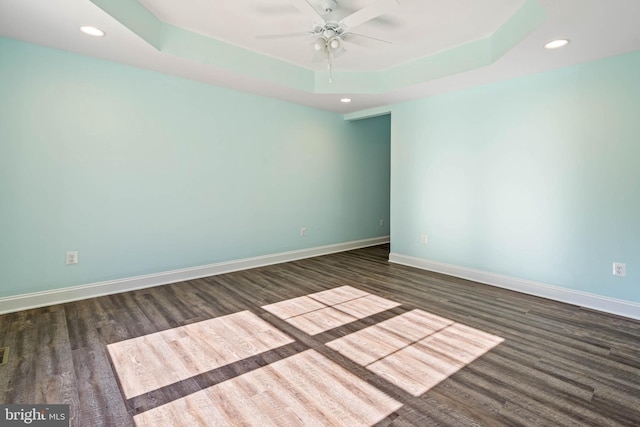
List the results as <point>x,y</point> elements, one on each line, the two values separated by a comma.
<point>142,172</point>
<point>536,177</point>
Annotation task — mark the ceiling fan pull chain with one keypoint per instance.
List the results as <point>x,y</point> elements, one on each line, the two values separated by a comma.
<point>330,68</point>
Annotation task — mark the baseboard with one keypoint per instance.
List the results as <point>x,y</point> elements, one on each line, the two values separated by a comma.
<point>75,293</point>
<point>570,296</point>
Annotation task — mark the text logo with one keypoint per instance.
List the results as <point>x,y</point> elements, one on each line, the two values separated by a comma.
<point>34,415</point>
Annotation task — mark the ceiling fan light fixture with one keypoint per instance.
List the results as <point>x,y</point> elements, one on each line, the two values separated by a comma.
<point>555,44</point>
<point>334,43</point>
<point>319,44</point>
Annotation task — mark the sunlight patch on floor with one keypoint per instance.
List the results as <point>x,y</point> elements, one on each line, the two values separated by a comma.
<point>322,311</point>
<point>306,389</point>
<point>156,360</point>
<point>413,351</point>
<point>416,350</point>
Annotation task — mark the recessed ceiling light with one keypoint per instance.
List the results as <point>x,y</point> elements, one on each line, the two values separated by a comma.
<point>556,44</point>
<point>345,100</point>
<point>92,31</point>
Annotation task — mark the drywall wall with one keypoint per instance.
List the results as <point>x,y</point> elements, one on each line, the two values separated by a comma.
<point>142,172</point>
<point>535,178</point>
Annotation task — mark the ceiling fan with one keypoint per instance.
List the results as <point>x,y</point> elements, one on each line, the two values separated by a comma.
<point>329,35</point>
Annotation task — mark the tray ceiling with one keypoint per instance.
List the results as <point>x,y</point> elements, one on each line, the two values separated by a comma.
<point>436,46</point>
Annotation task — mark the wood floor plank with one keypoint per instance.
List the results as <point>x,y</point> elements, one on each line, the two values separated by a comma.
<point>366,306</point>
<point>22,366</point>
<point>322,320</point>
<point>98,392</point>
<point>55,375</point>
<point>294,307</point>
<point>338,295</point>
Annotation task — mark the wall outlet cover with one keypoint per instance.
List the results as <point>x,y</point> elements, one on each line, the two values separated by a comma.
<point>619,269</point>
<point>72,257</point>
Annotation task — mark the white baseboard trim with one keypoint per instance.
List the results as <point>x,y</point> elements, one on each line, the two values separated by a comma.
<point>583,299</point>
<point>75,293</point>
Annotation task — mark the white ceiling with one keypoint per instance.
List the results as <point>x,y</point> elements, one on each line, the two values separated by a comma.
<point>416,28</point>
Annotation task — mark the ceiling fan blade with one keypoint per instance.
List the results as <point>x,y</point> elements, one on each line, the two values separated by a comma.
<point>308,10</point>
<point>362,40</point>
<point>284,35</point>
<point>368,13</point>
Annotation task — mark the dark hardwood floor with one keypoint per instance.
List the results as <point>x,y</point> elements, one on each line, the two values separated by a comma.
<point>558,365</point>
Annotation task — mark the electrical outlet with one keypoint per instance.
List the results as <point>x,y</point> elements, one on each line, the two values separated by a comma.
<point>72,257</point>
<point>619,269</point>
<point>423,239</point>
<point>382,223</point>
<point>303,231</point>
